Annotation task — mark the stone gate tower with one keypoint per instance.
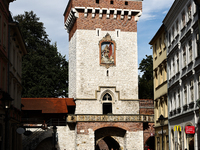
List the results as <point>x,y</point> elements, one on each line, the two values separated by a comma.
<point>103,75</point>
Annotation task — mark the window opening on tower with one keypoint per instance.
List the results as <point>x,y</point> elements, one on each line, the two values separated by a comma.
<point>126,3</point>
<point>97,1</point>
<point>107,108</point>
<point>111,2</point>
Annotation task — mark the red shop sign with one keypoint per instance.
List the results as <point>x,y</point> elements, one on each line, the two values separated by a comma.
<point>190,130</point>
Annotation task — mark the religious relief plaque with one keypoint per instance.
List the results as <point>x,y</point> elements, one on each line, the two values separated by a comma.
<point>107,51</point>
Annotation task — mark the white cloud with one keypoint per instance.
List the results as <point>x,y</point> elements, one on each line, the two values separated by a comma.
<point>152,8</point>
<point>51,14</point>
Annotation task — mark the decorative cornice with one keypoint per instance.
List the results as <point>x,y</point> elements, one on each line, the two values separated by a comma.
<point>110,118</point>
<point>74,14</point>
<point>71,19</point>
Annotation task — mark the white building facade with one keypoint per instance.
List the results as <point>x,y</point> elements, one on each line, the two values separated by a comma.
<point>183,63</point>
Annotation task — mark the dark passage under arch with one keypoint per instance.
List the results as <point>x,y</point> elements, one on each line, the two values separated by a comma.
<point>107,143</point>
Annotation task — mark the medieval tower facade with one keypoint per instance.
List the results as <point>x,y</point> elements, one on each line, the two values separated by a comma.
<point>103,75</point>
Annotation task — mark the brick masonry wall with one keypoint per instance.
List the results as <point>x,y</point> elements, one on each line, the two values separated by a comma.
<point>146,106</point>
<point>117,4</point>
<point>106,24</point>
<point>147,132</point>
<point>83,127</point>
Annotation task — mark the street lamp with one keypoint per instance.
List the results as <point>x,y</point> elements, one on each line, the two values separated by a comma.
<point>54,137</point>
<point>6,101</point>
<point>161,119</point>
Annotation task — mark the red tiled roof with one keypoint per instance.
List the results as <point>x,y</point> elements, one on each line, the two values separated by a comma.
<point>48,105</point>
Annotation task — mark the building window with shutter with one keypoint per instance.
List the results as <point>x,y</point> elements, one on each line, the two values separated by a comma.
<point>189,12</point>
<point>185,94</point>
<point>177,28</point>
<point>174,100</point>
<point>179,99</point>
<point>184,56</point>
<point>199,86</point>
<point>173,32</point>
<point>183,19</point>
<point>173,66</point>
<point>190,50</point>
<point>191,90</point>
<point>177,62</point>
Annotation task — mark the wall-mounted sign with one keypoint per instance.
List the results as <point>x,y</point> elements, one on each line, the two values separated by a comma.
<point>190,130</point>
<point>177,128</point>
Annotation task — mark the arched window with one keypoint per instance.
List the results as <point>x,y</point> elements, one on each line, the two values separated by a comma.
<point>107,97</point>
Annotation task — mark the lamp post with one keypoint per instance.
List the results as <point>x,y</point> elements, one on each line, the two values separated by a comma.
<point>54,137</point>
<point>6,101</point>
<point>161,119</point>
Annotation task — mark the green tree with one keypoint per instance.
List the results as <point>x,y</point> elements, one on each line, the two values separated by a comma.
<point>146,80</point>
<point>44,69</point>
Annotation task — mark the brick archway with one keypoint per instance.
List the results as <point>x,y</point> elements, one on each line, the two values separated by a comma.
<point>109,138</point>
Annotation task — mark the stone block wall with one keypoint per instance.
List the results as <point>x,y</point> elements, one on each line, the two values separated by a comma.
<point>66,138</point>
<point>86,75</point>
<point>91,75</point>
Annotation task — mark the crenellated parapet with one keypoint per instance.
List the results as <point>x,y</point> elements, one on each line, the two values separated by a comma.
<point>101,13</point>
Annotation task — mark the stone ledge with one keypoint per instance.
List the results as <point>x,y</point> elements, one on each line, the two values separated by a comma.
<point>110,118</point>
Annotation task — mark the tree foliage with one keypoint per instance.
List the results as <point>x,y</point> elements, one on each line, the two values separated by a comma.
<point>146,80</point>
<point>44,69</point>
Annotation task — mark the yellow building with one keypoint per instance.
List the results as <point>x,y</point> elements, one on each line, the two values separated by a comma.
<point>160,88</point>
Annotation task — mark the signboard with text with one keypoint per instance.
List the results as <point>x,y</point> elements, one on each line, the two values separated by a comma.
<point>190,130</point>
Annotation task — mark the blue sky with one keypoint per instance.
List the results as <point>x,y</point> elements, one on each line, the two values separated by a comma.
<point>51,14</point>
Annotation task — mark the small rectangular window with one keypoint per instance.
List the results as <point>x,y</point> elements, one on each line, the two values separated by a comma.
<point>183,19</point>
<point>107,108</point>
<point>185,94</point>
<point>97,1</point>
<point>126,3</point>
<point>111,2</point>
<point>189,12</point>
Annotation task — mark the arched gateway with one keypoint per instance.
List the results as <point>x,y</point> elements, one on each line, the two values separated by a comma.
<point>103,76</point>
<point>109,138</point>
